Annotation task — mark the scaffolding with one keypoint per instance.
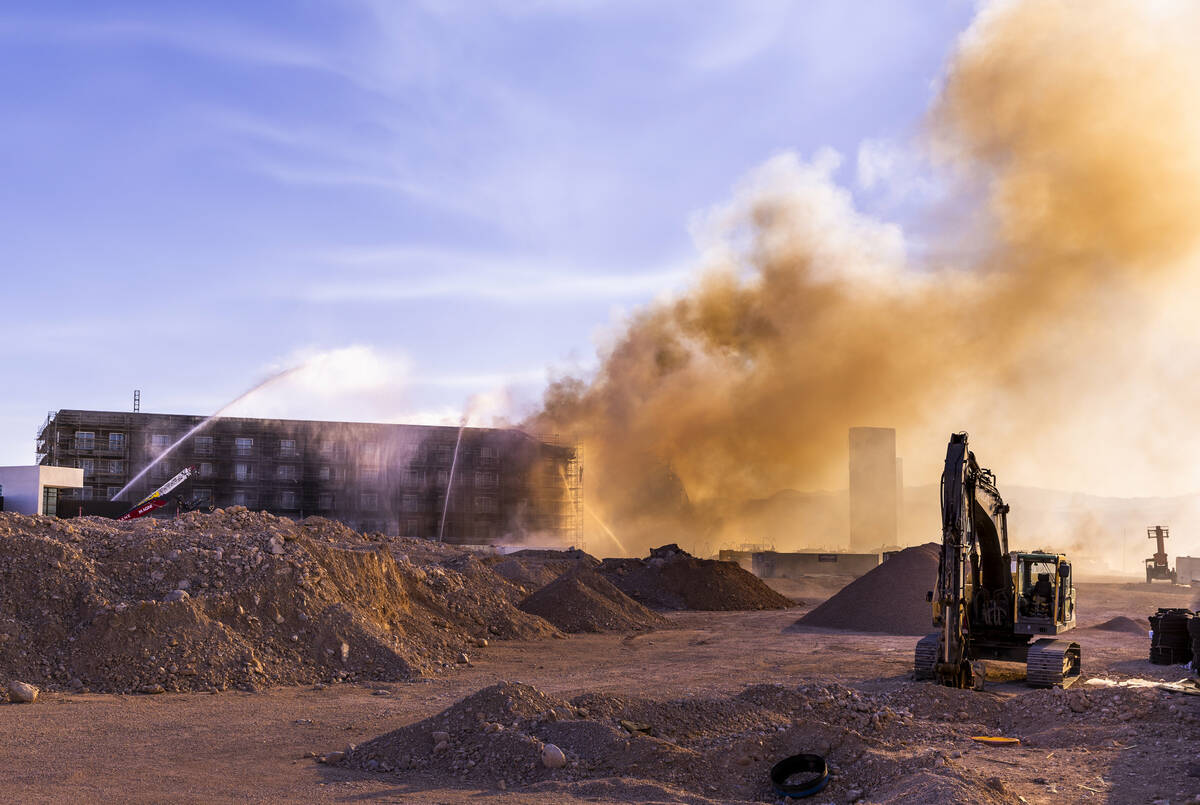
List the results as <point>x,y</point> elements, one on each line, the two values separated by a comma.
<point>554,488</point>
<point>105,461</point>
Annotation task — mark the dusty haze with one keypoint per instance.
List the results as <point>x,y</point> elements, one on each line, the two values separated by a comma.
<point>1054,322</point>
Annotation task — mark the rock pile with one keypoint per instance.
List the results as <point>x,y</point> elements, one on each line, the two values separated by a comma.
<point>672,579</point>
<point>585,601</point>
<point>234,598</point>
<point>889,599</point>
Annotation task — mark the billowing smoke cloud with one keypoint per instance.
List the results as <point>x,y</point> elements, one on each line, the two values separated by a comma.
<point>1047,321</point>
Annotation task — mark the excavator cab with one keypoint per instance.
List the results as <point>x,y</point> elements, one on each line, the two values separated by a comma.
<point>1045,593</point>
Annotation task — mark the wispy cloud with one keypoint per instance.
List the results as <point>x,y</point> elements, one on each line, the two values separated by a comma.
<point>477,380</point>
<point>304,155</point>
<point>750,30</point>
<point>389,274</point>
<point>203,38</point>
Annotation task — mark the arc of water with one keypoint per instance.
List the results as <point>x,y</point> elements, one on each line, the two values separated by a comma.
<point>596,517</point>
<point>607,530</point>
<point>450,483</point>
<point>262,384</point>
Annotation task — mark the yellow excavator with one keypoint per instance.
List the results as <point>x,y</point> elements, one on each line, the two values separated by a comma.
<point>990,602</point>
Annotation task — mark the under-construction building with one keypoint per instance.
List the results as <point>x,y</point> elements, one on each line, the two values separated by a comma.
<point>468,485</point>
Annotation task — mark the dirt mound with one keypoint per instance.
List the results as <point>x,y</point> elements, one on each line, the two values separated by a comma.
<point>682,750</point>
<point>1121,624</point>
<point>235,598</point>
<point>889,599</point>
<point>673,579</point>
<point>585,601</point>
<point>534,569</point>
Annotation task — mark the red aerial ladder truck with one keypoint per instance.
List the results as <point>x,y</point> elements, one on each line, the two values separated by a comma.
<point>159,498</point>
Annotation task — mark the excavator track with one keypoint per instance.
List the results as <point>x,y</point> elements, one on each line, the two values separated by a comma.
<point>926,656</point>
<point>1052,664</point>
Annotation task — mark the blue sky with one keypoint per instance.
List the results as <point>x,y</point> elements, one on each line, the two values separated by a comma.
<point>459,196</point>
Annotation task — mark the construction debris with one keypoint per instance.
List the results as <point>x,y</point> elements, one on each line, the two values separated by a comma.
<point>890,745</point>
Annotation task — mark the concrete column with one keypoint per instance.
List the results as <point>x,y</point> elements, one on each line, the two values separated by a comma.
<point>873,488</point>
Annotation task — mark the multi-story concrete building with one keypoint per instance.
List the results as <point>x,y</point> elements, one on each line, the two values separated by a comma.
<point>375,477</point>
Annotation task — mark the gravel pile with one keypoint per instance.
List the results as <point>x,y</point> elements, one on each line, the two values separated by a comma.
<point>672,579</point>
<point>234,598</point>
<point>585,601</point>
<point>890,599</point>
<point>533,569</point>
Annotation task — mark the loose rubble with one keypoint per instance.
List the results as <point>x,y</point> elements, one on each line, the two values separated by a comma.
<point>237,599</point>
<point>901,742</point>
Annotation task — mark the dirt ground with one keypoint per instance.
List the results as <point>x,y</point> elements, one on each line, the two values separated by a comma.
<point>1099,746</point>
